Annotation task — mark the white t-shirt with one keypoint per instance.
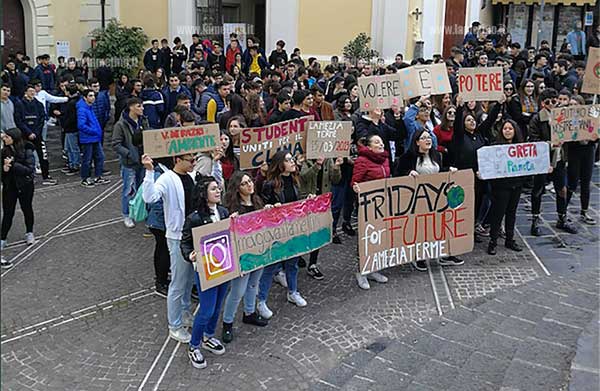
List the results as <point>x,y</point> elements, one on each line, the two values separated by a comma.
<point>427,166</point>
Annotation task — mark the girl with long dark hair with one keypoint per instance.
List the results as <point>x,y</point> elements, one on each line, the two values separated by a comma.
<point>505,194</point>
<point>280,187</point>
<point>207,196</point>
<point>17,184</point>
<point>241,198</point>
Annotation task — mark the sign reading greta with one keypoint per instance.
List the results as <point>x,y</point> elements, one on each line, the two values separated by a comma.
<point>510,160</point>
<point>406,219</point>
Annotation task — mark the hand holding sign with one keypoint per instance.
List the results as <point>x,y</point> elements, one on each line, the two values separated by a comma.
<point>148,162</point>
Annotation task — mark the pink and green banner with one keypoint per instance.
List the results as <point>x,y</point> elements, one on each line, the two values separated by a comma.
<point>241,244</point>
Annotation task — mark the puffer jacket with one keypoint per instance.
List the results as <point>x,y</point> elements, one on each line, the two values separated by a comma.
<point>370,166</point>
<point>89,128</point>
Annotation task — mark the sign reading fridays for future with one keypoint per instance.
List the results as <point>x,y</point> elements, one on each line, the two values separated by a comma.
<point>406,219</point>
<point>181,141</point>
<point>258,145</point>
<point>510,160</point>
<point>575,123</point>
<point>384,91</point>
<point>238,245</point>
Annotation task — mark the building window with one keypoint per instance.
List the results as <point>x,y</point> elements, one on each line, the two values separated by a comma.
<point>209,18</point>
<point>231,13</point>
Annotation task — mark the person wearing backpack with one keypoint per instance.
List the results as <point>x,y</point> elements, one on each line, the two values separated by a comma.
<point>127,143</point>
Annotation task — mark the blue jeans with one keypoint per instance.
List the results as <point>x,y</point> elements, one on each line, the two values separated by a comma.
<point>246,286</point>
<point>266,280</point>
<point>92,150</point>
<point>132,179</point>
<point>180,289</point>
<point>207,316</point>
<point>72,147</point>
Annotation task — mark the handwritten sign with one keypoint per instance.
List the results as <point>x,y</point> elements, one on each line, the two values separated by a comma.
<point>591,77</point>
<point>328,139</point>
<point>258,145</point>
<point>480,84</point>
<point>406,219</point>
<point>419,80</point>
<point>510,160</point>
<point>238,245</point>
<point>181,141</point>
<point>575,123</point>
<point>381,91</point>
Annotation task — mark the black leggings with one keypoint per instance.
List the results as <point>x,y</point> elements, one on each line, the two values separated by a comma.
<point>162,261</point>
<point>42,152</point>
<point>504,205</point>
<point>579,170</point>
<point>10,195</point>
<point>539,184</point>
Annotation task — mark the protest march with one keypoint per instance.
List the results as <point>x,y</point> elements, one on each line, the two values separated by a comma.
<point>242,167</point>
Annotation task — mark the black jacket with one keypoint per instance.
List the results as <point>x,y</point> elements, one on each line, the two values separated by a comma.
<point>465,144</point>
<point>270,196</point>
<point>31,117</point>
<point>22,168</point>
<point>69,118</point>
<point>196,219</point>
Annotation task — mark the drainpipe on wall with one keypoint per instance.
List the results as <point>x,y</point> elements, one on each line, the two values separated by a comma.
<point>103,14</point>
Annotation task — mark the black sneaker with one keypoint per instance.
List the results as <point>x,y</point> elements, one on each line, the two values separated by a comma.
<point>227,334</point>
<point>586,218</point>
<point>65,170</point>
<point>336,239</point>
<point>314,272</point>
<point>492,248</point>
<point>162,289</point>
<point>49,181</point>
<point>147,233</point>
<point>87,183</point>
<point>420,266</point>
<point>566,225</point>
<point>72,171</point>
<point>196,358</point>
<point>194,292</point>
<point>451,261</point>
<point>5,263</point>
<point>213,345</point>
<point>348,230</point>
<point>513,245</point>
<point>254,319</point>
<point>101,181</point>
<point>301,262</point>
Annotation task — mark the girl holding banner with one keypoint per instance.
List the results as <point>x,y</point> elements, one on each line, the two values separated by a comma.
<point>280,187</point>
<point>372,163</point>
<point>208,197</point>
<point>241,198</point>
<point>422,159</point>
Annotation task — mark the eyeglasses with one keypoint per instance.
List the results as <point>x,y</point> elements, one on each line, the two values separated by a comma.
<point>290,159</point>
<point>424,138</point>
<point>451,112</point>
<point>246,183</point>
<point>91,95</point>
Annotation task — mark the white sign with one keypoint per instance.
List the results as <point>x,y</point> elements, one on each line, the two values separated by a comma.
<point>589,18</point>
<point>63,48</point>
<point>511,160</point>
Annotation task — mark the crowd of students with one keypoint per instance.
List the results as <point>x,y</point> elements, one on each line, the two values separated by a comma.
<point>244,88</point>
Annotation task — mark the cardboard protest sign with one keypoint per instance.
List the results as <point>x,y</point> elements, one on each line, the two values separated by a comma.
<point>480,84</point>
<point>419,80</point>
<point>575,123</point>
<point>406,219</point>
<point>258,145</point>
<point>591,77</point>
<point>272,235</point>
<point>381,91</point>
<point>181,141</point>
<point>238,245</point>
<point>328,139</point>
<point>216,259</point>
<point>510,160</point>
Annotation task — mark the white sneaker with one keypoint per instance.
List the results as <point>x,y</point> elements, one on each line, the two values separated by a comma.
<point>297,299</point>
<point>128,221</point>
<point>280,279</point>
<point>180,335</point>
<point>187,320</point>
<point>263,310</point>
<point>38,171</point>
<point>376,276</point>
<point>196,358</point>
<point>29,238</point>
<point>363,283</point>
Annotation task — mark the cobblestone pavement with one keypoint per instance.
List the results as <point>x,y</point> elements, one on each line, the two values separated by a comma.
<point>79,312</point>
